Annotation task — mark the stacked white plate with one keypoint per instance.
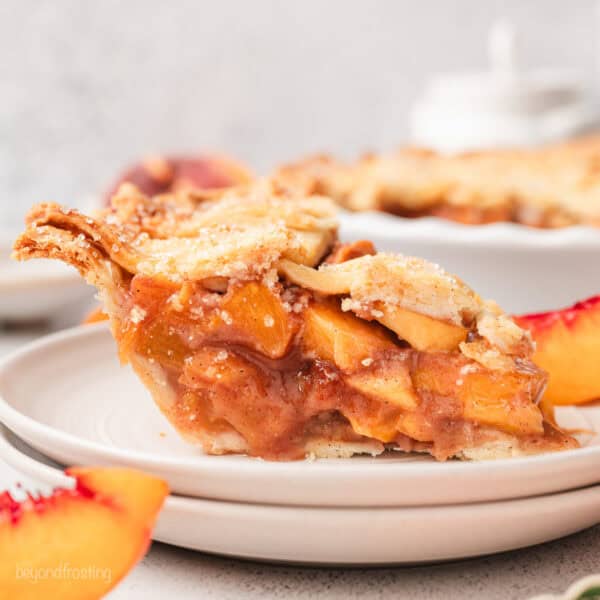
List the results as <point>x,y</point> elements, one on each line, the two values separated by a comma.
<point>65,400</point>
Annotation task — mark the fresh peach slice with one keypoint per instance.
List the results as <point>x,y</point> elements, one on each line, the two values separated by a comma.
<point>77,543</point>
<point>160,174</point>
<point>568,347</point>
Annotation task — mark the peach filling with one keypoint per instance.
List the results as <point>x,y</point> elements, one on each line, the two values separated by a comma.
<point>278,367</point>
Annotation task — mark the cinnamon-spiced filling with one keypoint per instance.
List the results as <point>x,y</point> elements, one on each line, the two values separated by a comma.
<point>280,366</point>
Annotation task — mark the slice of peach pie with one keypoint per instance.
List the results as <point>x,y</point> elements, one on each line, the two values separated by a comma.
<point>258,332</point>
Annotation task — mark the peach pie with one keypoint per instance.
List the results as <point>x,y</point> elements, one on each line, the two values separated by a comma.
<point>554,186</point>
<point>257,332</point>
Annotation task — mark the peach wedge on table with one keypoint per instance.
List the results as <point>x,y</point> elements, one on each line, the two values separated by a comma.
<point>77,543</point>
<point>568,347</point>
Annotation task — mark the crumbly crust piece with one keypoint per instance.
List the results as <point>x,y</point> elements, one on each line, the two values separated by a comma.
<point>239,234</point>
<point>373,283</point>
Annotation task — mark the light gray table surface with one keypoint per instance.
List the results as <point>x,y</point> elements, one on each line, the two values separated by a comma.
<point>168,571</point>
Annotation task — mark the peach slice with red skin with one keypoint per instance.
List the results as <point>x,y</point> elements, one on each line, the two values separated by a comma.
<point>568,347</point>
<point>162,174</point>
<point>77,543</point>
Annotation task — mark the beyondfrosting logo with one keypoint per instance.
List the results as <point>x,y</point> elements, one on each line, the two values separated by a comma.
<point>64,571</point>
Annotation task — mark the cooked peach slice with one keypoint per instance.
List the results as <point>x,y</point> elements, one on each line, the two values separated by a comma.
<point>413,425</point>
<point>162,344</point>
<point>341,337</point>
<point>496,401</point>
<point>421,331</point>
<point>389,382</point>
<point>353,345</point>
<point>378,426</point>
<point>215,366</point>
<point>257,314</point>
<point>500,400</point>
<point>251,315</point>
<point>77,543</point>
<point>568,347</point>
<point>395,388</point>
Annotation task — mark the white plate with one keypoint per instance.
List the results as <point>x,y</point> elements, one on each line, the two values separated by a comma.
<point>67,396</point>
<point>348,536</point>
<point>524,269</point>
<point>36,289</point>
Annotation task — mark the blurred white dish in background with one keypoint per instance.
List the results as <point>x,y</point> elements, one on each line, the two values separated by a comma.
<point>347,536</point>
<point>36,289</point>
<point>504,106</point>
<point>522,268</point>
<point>68,397</point>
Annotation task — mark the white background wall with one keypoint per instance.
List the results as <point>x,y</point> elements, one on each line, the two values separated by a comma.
<point>86,85</point>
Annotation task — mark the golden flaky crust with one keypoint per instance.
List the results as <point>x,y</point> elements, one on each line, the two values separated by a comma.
<point>553,186</point>
<point>259,267</point>
<point>191,236</point>
<point>375,286</point>
<point>248,234</point>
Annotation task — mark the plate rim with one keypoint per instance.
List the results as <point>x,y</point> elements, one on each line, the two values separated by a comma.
<point>45,473</point>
